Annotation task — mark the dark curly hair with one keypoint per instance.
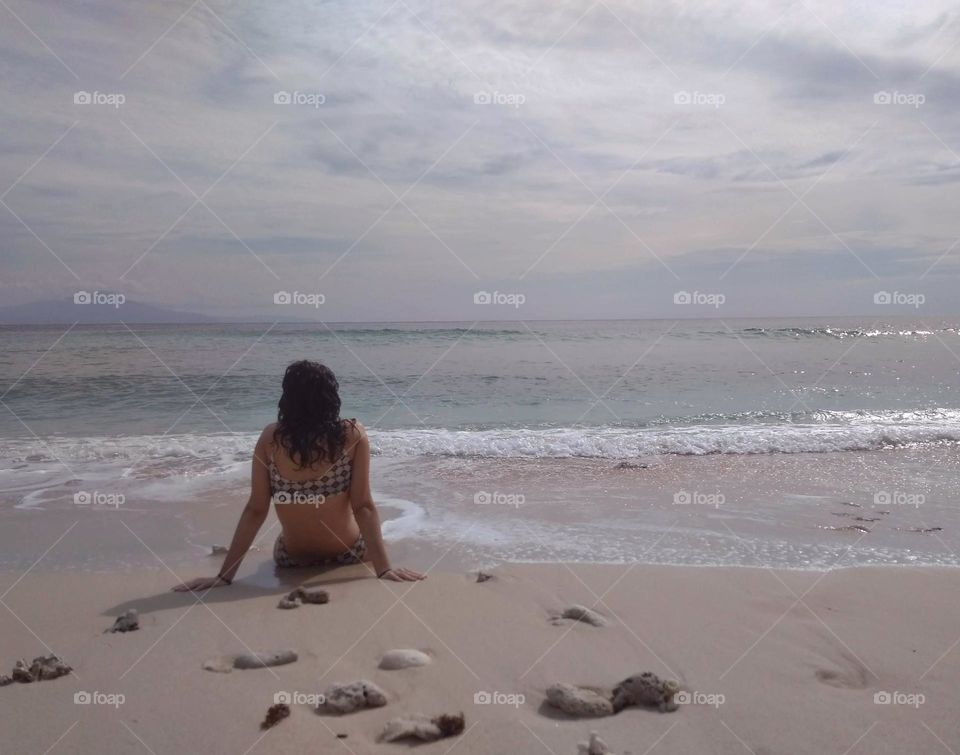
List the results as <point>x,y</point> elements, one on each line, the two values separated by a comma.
<point>308,415</point>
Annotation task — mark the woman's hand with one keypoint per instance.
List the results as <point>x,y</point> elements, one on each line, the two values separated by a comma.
<point>402,575</point>
<point>201,583</point>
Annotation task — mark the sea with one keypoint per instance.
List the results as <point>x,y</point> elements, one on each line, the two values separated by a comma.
<point>808,443</point>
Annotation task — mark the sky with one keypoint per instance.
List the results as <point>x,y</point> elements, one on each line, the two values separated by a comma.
<point>407,160</point>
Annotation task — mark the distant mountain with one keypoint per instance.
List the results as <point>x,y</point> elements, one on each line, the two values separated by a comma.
<point>95,308</point>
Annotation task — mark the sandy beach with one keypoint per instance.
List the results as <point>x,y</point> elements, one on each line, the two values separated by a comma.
<point>770,661</point>
<point>611,349</point>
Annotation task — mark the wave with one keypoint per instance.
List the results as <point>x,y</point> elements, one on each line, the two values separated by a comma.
<point>200,456</point>
<point>833,431</point>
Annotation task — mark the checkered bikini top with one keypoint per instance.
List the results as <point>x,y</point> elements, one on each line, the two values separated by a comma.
<point>336,480</point>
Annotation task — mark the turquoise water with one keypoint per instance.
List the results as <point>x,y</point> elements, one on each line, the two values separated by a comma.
<point>107,381</point>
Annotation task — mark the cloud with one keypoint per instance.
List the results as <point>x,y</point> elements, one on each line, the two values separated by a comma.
<point>531,142</point>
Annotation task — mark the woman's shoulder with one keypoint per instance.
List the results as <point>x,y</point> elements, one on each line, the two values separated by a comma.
<point>353,428</point>
<point>267,434</point>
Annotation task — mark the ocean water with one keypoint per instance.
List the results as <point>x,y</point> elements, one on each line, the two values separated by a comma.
<point>737,442</point>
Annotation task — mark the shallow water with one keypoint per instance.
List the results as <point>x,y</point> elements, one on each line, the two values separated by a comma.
<point>771,430</point>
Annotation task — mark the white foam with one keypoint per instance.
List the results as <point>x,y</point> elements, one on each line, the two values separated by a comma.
<point>834,431</point>
<point>410,522</point>
<point>176,464</point>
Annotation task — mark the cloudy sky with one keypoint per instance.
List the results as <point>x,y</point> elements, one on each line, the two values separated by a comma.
<point>595,158</point>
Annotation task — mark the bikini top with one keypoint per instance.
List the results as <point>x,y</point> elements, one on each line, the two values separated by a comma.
<point>334,481</point>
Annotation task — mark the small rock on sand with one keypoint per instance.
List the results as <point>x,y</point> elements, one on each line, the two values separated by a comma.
<point>403,658</point>
<point>581,613</point>
<point>41,668</point>
<point>424,728</point>
<point>346,698</point>
<point>226,663</point>
<point>129,621</point>
<point>260,660</point>
<point>312,595</point>
<point>582,702</point>
<point>483,576</point>
<point>275,714</point>
<point>301,595</point>
<point>646,689</point>
<point>595,746</point>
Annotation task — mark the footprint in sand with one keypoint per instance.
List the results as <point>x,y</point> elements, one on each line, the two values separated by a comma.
<point>851,675</point>
<point>579,613</point>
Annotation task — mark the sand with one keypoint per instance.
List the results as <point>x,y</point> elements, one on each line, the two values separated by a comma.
<point>766,674</point>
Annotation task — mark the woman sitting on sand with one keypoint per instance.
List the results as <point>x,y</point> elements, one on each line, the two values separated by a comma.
<point>315,467</point>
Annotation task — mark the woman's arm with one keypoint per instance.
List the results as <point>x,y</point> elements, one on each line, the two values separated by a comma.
<point>361,499</point>
<point>252,518</point>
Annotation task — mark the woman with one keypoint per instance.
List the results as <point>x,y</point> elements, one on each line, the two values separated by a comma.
<point>315,467</point>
